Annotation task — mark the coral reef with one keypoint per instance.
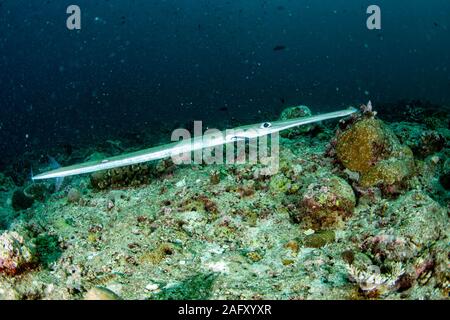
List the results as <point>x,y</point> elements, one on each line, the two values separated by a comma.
<point>74,195</point>
<point>325,204</point>
<point>20,201</point>
<point>372,281</point>
<point>6,183</point>
<point>135,175</point>
<point>418,218</point>
<point>37,191</point>
<point>359,211</point>
<point>15,254</point>
<point>319,239</point>
<point>370,148</point>
<point>131,176</point>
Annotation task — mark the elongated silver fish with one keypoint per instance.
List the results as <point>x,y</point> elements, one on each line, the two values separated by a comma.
<point>188,145</point>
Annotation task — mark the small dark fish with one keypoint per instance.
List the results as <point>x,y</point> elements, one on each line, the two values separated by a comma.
<point>280,8</point>
<point>283,101</point>
<point>436,24</point>
<point>279,48</point>
<point>223,109</point>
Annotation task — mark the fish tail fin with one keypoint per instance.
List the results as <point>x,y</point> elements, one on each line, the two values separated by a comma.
<point>55,165</point>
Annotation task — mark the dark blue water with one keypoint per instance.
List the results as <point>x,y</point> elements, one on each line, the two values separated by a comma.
<point>143,63</point>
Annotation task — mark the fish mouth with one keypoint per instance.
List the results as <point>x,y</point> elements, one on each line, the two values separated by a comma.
<point>238,138</point>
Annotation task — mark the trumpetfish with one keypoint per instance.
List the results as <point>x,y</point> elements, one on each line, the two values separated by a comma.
<point>188,145</point>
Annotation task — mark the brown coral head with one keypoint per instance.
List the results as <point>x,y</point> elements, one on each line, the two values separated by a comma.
<point>367,110</point>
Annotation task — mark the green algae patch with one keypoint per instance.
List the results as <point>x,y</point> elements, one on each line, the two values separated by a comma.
<point>281,184</point>
<point>64,224</point>
<point>319,239</point>
<point>47,249</point>
<point>157,255</point>
<point>197,287</point>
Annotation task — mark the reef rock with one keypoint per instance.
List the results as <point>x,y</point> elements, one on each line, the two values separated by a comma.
<point>130,176</point>
<point>6,183</point>
<point>418,218</point>
<point>370,148</point>
<point>326,204</point>
<point>74,195</point>
<point>37,191</point>
<point>7,291</point>
<point>15,254</point>
<point>20,201</point>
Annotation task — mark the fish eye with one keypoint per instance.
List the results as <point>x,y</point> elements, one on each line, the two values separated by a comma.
<point>266,125</point>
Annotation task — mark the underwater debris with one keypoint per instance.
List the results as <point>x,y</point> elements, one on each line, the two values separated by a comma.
<point>15,254</point>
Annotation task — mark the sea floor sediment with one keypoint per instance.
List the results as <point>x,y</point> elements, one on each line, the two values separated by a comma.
<point>337,221</point>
